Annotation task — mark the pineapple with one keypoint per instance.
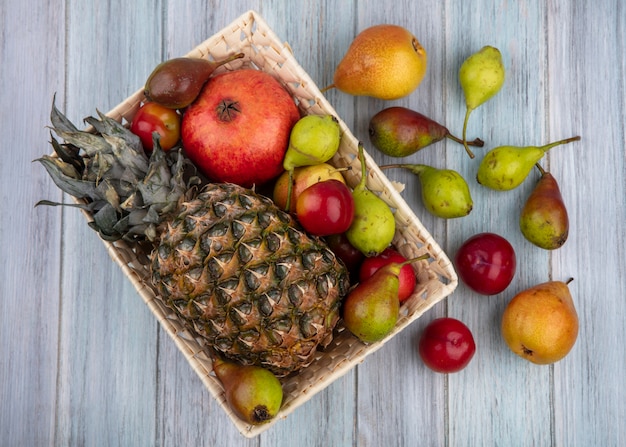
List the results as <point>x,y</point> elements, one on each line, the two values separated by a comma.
<point>235,268</point>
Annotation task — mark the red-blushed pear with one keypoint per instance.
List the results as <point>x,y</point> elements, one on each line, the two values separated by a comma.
<point>237,130</point>
<point>252,392</point>
<point>543,219</point>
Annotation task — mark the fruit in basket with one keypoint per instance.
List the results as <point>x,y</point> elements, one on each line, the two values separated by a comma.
<point>446,345</point>
<point>152,117</point>
<point>371,309</point>
<point>325,208</point>
<point>177,82</point>
<point>400,132</point>
<point>481,76</point>
<point>540,324</point>
<point>374,225</point>
<point>407,275</point>
<point>237,130</point>
<point>351,257</point>
<point>383,61</point>
<point>445,192</point>
<point>303,177</point>
<point>253,393</point>
<point>486,263</point>
<point>506,167</point>
<point>543,220</point>
<point>237,270</point>
<point>314,139</point>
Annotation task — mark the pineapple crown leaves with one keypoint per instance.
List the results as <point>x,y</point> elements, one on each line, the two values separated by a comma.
<point>127,193</point>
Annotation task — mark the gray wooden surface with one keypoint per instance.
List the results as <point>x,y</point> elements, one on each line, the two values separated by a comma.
<point>83,361</point>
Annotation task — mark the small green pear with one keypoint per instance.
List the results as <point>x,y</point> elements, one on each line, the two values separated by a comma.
<point>253,393</point>
<point>374,224</point>
<point>481,76</point>
<point>506,167</point>
<point>543,219</point>
<point>445,192</point>
<point>314,139</point>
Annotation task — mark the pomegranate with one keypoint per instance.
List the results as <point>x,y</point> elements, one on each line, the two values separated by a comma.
<point>237,130</point>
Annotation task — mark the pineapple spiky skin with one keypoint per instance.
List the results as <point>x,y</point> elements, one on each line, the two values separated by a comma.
<point>254,285</point>
<point>236,269</point>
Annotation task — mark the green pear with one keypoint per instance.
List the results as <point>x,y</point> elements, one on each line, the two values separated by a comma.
<point>314,139</point>
<point>445,192</point>
<point>374,224</point>
<point>253,393</point>
<point>506,167</point>
<point>543,220</point>
<point>481,76</point>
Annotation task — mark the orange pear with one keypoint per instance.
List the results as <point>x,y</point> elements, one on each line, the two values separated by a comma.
<point>383,61</point>
<point>540,324</point>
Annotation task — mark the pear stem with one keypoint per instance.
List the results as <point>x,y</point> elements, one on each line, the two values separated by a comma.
<point>416,169</point>
<point>569,280</point>
<point>467,149</point>
<point>363,167</point>
<point>328,87</point>
<point>541,170</point>
<point>229,59</point>
<point>289,190</point>
<point>412,260</point>
<point>477,142</point>
<point>547,147</point>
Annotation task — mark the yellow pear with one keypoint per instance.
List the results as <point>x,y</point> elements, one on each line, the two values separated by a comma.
<point>383,61</point>
<point>540,324</point>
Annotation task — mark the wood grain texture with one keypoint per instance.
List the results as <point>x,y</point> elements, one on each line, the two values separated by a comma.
<point>83,361</point>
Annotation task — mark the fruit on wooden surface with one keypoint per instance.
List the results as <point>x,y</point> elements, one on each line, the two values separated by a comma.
<point>481,76</point>
<point>446,345</point>
<point>303,177</point>
<point>505,167</point>
<point>177,82</point>
<point>400,132</point>
<point>374,225</point>
<point>445,192</point>
<point>152,117</point>
<point>237,130</point>
<point>543,219</point>
<point>253,393</point>
<point>237,270</point>
<point>371,309</point>
<point>313,139</point>
<point>540,324</point>
<point>383,61</point>
<point>406,276</point>
<point>486,263</point>
<point>325,208</point>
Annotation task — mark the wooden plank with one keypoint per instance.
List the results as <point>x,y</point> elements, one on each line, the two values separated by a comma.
<point>29,237</point>
<point>107,369</point>
<point>401,402</point>
<point>498,389</point>
<point>587,91</point>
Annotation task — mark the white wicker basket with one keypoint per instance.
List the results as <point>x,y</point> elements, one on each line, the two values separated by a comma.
<point>437,279</point>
